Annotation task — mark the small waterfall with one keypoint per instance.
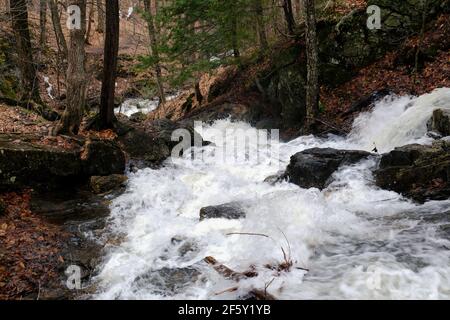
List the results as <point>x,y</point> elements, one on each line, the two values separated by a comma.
<point>398,121</point>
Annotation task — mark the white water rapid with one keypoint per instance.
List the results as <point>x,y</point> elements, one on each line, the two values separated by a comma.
<point>358,241</point>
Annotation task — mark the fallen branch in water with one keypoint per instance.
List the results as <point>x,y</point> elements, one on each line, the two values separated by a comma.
<point>233,289</point>
<point>229,273</point>
<point>248,234</point>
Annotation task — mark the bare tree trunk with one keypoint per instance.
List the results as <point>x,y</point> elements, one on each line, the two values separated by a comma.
<point>289,15</point>
<point>260,26</point>
<point>155,51</point>
<point>56,20</point>
<point>100,16</point>
<point>43,22</point>
<point>312,90</point>
<point>76,77</point>
<point>28,76</point>
<point>88,32</point>
<point>111,51</point>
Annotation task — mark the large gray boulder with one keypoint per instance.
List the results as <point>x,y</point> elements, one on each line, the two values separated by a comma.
<point>314,168</point>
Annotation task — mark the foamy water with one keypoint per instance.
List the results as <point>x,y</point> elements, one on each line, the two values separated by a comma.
<point>358,242</point>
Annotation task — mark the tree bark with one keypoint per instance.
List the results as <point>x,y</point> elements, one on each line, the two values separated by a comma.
<point>260,25</point>
<point>111,51</point>
<point>289,16</point>
<point>43,22</point>
<point>56,20</point>
<point>312,89</point>
<point>88,32</point>
<point>76,77</point>
<point>28,76</point>
<point>100,16</point>
<point>155,50</point>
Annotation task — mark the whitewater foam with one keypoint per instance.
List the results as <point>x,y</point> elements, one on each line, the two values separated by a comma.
<point>358,242</point>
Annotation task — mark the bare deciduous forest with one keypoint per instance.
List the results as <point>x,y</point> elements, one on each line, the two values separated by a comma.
<point>224,149</point>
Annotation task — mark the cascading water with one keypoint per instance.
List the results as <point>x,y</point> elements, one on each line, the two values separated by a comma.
<point>358,242</point>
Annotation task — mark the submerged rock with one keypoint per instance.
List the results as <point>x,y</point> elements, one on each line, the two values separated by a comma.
<point>313,168</point>
<point>230,211</point>
<point>106,184</point>
<point>416,171</point>
<point>440,122</point>
<point>167,280</point>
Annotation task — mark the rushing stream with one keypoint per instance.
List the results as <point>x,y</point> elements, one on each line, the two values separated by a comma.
<point>358,242</point>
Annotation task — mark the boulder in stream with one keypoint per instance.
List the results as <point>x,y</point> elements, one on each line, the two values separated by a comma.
<point>168,280</point>
<point>416,171</point>
<point>151,141</point>
<point>233,210</point>
<point>440,122</point>
<point>313,168</point>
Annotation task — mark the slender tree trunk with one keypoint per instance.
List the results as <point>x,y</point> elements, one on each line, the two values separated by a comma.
<point>76,77</point>
<point>260,25</point>
<point>155,51</point>
<point>88,32</point>
<point>28,76</point>
<point>56,20</point>
<point>312,90</point>
<point>43,22</point>
<point>100,16</point>
<point>111,51</point>
<point>289,16</point>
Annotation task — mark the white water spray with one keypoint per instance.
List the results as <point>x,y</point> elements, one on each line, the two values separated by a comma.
<point>358,242</point>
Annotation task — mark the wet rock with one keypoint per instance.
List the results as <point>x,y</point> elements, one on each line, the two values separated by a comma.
<point>64,206</point>
<point>167,280</point>
<point>230,211</point>
<point>440,122</point>
<point>416,171</point>
<point>151,141</point>
<point>273,179</point>
<point>105,184</point>
<point>314,168</point>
